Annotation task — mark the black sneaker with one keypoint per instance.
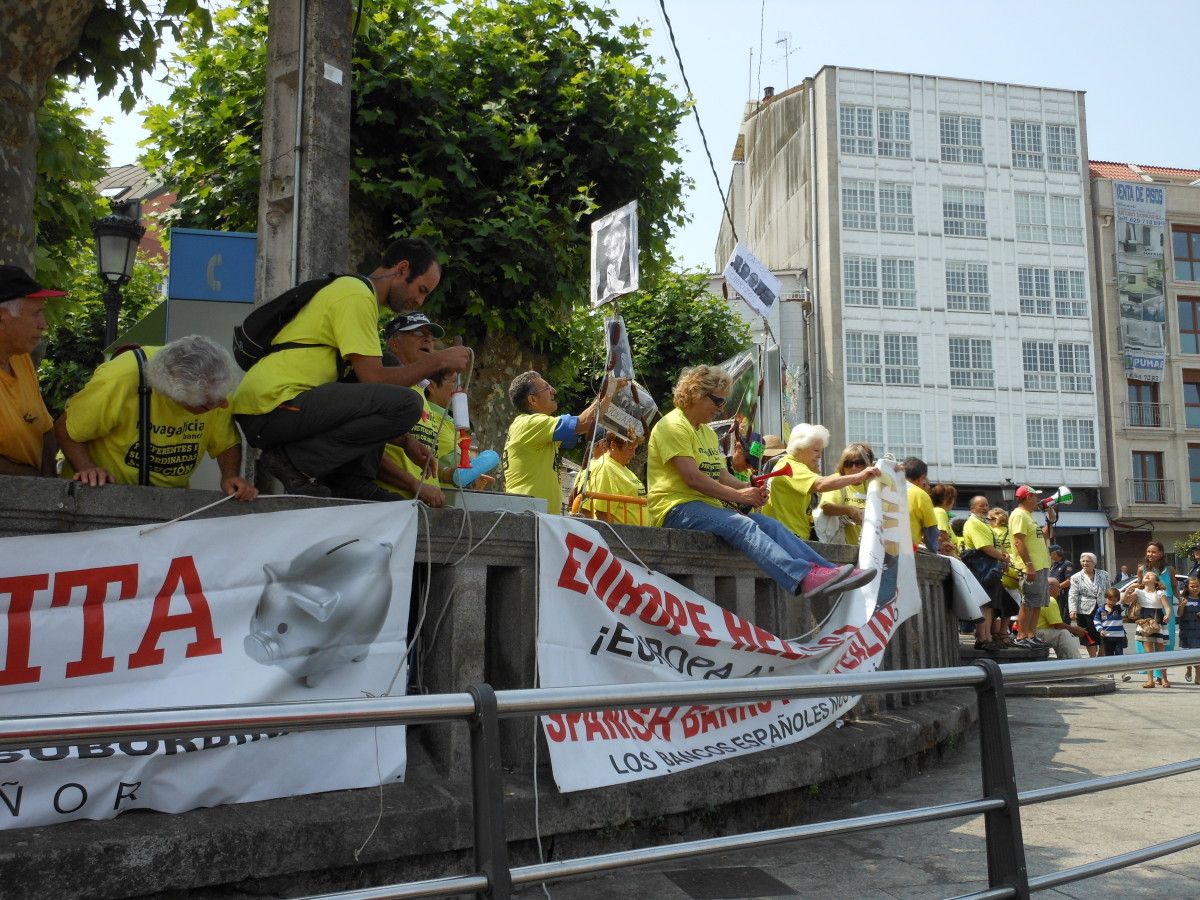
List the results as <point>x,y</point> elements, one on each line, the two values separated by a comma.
<point>275,463</point>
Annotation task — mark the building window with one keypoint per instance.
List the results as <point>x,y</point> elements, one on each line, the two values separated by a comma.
<point>1031,218</point>
<point>1026,145</point>
<point>1041,441</point>
<point>898,280</point>
<point>963,212</point>
<point>1189,324</point>
<point>1038,358</point>
<point>1066,221</point>
<point>1191,398</point>
<point>894,432</point>
<point>1194,471</point>
<point>1075,368</point>
<point>971,362</point>
<point>1079,443</point>
<point>861,277</point>
<point>1033,286</point>
<point>1142,405</point>
<point>1147,483</point>
<point>862,358</point>
<point>1185,247</point>
<point>858,205</point>
<point>856,129</point>
<point>962,139</point>
<point>967,287</point>
<point>1061,152</point>
<point>901,361</point>
<point>895,136</point>
<point>1070,293</point>
<point>974,440</point>
<point>895,207</point>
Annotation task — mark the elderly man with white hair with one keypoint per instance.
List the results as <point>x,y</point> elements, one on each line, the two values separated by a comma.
<point>791,495</point>
<point>189,382</point>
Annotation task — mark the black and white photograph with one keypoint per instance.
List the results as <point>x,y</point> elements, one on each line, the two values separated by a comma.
<point>614,254</point>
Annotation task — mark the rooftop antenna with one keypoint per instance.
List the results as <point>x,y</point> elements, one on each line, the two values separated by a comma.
<point>750,77</point>
<point>785,38</point>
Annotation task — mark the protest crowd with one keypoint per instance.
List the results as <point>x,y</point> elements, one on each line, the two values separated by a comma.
<point>338,408</point>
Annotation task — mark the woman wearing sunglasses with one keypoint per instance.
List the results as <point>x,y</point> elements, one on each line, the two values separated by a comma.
<point>849,501</point>
<point>690,487</point>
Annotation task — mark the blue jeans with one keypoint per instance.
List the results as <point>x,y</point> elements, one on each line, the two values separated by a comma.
<point>770,544</point>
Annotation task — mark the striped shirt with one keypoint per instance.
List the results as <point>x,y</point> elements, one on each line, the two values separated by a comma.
<point>1110,622</point>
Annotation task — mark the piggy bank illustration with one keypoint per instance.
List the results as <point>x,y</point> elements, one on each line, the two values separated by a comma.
<point>323,609</point>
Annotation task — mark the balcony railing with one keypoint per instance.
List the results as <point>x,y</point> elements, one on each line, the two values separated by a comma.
<point>1151,490</point>
<point>1147,415</point>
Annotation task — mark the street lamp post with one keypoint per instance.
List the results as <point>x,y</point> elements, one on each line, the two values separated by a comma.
<point>1008,491</point>
<point>117,236</point>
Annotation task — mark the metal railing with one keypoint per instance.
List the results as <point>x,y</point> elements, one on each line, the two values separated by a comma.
<point>1151,490</point>
<point>482,708</point>
<point>1147,415</point>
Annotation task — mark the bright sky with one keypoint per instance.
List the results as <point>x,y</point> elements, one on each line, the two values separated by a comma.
<point>1133,62</point>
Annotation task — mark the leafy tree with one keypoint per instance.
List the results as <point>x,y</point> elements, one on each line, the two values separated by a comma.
<point>673,323</point>
<point>104,40</point>
<point>495,128</point>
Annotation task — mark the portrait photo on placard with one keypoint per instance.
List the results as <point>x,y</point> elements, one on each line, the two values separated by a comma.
<point>615,254</point>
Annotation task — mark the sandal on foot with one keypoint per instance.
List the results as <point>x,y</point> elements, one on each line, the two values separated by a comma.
<point>1148,684</point>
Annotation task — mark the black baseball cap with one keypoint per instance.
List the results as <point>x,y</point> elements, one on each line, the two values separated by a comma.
<point>15,283</point>
<point>411,322</point>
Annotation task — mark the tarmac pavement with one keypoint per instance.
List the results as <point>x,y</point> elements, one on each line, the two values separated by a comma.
<point>1055,741</point>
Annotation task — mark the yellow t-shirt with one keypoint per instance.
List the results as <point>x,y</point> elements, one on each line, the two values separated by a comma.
<point>851,495</point>
<point>530,460</point>
<point>673,435</point>
<point>920,513</point>
<point>1049,615</point>
<point>24,418</point>
<point>104,416</point>
<point>341,318</point>
<point>439,441</point>
<point>790,496</point>
<point>978,533</point>
<point>1021,522</point>
<point>610,477</point>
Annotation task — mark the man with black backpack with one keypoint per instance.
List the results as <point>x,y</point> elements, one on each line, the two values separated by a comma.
<point>321,435</point>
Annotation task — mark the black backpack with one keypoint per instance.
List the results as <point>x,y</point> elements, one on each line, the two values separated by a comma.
<point>252,339</point>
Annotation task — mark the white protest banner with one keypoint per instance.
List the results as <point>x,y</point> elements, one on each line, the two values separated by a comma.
<point>753,281</point>
<point>603,620</point>
<point>262,608</point>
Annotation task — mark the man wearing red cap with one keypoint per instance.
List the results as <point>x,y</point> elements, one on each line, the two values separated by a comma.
<point>26,442</point>
<point>1033,559</point>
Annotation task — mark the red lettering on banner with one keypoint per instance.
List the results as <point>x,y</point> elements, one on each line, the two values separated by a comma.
<point>739,631</point>
<point>653,613</point>
<point>199,619</point>
<point>675,610</point>
<point>569,578</point>
<point>598,559</point>
<point>16,660</point>
<point>610,575</point>
<point>625,590</point>
<point>704,636</point>
<point>92,660</point>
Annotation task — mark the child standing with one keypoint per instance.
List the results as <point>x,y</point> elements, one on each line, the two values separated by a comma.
<point>1151,613</point>
<point>1109,619</point>
<point>1188,615</point>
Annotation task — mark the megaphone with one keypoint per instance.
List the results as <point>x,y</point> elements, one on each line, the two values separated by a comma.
<point>1061,497</point>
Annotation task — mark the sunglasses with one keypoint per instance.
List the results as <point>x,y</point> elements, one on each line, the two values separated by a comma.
<point>855,463</point>
<point>717,401</point>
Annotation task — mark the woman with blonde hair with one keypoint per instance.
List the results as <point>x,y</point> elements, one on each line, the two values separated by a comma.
<point>690,487</point>
<point>849,501</point>
<point>609,474</point>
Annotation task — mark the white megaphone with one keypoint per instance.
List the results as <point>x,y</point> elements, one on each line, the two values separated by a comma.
<point>1061,497</point>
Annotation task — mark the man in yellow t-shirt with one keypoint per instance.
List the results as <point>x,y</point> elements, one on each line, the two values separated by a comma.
<point>26,441</point>
<point>1033,560</point>
<point>920,506</point>
<point>190,380</point>
<point>530,460</point>
<point>321,435</point>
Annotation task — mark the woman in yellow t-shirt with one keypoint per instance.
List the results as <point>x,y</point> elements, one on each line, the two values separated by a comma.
<point>609,474</point>
<point>690,487</point>
<point>850,501</point>
<point>944,496</point>
<point>791,495</point>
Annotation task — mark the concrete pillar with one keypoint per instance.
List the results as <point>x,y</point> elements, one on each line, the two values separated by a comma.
<point>304,190</point>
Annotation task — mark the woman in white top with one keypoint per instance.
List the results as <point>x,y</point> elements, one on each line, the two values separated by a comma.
<point>1152,609</point>
<point>1087,591</point>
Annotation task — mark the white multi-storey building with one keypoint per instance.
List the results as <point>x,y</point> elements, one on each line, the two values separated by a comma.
<point>933,230</point>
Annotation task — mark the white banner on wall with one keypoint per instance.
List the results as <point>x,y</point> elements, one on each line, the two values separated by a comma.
<point>603,620</point>
<point>1140,231</point>
<point>262,608</point>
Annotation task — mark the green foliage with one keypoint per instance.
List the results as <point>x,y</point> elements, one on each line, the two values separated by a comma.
<point>673,323</point>
<point>70,161</point>
<point>121,38</point>
<point>494,128</point>
<point>75,341</point>
<point>1183,546</point>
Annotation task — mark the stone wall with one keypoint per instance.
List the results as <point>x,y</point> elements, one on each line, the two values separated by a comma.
<point>480,572</point>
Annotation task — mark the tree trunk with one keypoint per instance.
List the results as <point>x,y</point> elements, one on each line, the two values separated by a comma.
<point>35,35</point>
